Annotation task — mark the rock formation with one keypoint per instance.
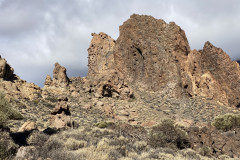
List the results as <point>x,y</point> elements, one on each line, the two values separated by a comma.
<point>100,54</point>
<point>150,53</point>
<point>214,75</point>
<point>60,78</point>
<point>60,114</point>
<point>13,86</point>
<point>215,142</point>
<point>102,76</point>
<point>60,75</point>
<point>154,55</point>
<point>6,71</point>
<point>59,84</point>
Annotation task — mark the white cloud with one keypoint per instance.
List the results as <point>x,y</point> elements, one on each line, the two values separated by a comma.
<point>36,34</point>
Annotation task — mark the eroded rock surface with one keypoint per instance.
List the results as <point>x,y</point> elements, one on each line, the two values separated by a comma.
<point>61,114</point>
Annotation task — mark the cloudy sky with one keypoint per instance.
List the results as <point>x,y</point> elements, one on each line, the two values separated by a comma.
<point>34,34</point>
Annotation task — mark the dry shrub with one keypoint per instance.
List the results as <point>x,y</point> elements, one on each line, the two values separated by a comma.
<point>6,110</point>
<point>227,122</point>
<point>166,134</point>
<point>73,144</point>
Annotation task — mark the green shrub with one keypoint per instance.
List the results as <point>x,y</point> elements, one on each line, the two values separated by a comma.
<point>51,99</point>
<point>104,124</point>
<point>6,110</point>
<point>166,134</point>
<point>205,151</point>
<point>227,122</point>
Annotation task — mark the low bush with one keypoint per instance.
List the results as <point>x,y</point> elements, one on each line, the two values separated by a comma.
<point>51,99</point>
<point>104,124</point>
<point>166,134</point>
<point>227,122</point>
<point>73,144</point>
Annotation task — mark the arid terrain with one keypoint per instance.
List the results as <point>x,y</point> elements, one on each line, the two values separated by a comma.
<point>147,95</point>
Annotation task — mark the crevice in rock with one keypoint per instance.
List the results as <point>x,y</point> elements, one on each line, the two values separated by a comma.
<point>140,52</point>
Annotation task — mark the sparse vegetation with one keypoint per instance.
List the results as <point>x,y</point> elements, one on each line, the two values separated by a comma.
<point>3,150</point>
<point>51,99</point>
<point>227,122</point>
<point>95,143</point>
<point>6,110</point>
<point>166,134</point>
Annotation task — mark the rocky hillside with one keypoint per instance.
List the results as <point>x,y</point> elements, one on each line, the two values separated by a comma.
<point>119,111</point>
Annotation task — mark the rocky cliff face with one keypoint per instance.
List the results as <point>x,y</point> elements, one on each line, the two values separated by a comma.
<point>154,55</point>
<point>214,75</point>
<point>151,53</point>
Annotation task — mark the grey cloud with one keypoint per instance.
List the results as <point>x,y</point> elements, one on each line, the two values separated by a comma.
<point>34,34</point>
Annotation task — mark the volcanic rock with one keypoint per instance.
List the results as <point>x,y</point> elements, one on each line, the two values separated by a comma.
<point>150,53</point>
<point>60,75</point>
<point>214,75</point>
<point>6,71</point>
<point>59,84</point>
<point>48,80</point>
<point>153,55</point>
<point>61,116</point>
<point>217,143</point>
<point>13,86</point>
<point>100,54</point>
<point>102,75</point>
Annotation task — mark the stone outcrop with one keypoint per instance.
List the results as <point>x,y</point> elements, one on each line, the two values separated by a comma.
<point>100,54</point>
<point>60,115</point>
<point>60,83</point>
<point>60,78</point>
<point>214,75</point>
<point>214,142</point>
<point>153,55</point>
<point>60,75</point>
<point>6,71</point>
<point>103,78</point>
<point>150,53</point>
<point>13,86</point>
<point>111,84</point>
